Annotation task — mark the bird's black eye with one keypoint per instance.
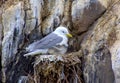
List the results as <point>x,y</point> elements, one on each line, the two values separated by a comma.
<point>63,31</point>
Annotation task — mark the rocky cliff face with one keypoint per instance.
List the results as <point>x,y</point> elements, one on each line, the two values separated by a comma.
<point>93,23</point>
<point>102,42</point>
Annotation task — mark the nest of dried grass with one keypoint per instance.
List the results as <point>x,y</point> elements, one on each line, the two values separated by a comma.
<point>58,69</point>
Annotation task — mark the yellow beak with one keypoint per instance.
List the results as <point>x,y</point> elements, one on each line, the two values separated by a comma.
<point>69,35</point>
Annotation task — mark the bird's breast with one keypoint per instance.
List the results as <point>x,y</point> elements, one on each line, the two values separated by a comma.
<point>59,49</point>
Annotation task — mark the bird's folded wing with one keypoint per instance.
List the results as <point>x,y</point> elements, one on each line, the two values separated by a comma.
<point>45,43</point>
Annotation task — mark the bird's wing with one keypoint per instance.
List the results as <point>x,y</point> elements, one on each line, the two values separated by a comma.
<point>45,43</point>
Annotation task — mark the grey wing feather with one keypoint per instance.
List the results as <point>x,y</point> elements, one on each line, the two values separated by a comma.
<point>46,42</point>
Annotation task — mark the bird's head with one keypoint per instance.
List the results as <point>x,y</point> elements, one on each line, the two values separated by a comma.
<point>63,31</point>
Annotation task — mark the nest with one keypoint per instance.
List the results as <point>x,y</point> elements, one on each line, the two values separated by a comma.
<point>58,69</point>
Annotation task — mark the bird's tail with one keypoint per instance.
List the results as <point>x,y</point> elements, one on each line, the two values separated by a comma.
<point>32,53</point>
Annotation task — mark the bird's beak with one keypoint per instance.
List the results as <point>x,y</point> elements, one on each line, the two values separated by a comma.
<point>69,35</point>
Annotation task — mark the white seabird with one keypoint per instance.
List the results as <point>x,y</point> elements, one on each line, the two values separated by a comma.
<point>54,43</point>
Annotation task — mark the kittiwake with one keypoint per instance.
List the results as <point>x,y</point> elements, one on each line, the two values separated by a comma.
<point>54,43</point>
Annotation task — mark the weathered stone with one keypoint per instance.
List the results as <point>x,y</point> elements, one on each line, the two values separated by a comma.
<point>1,28</point>
<point>85,12</point>
<point>98,67</point>
<point>54,17</point>
<point>115,40</point>
<point>33,12</point>
<point>101,44</point>
<point>13,24</point>
<point>115,51</point>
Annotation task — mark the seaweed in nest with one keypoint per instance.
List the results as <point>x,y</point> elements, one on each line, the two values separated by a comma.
<point>58,69</point>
